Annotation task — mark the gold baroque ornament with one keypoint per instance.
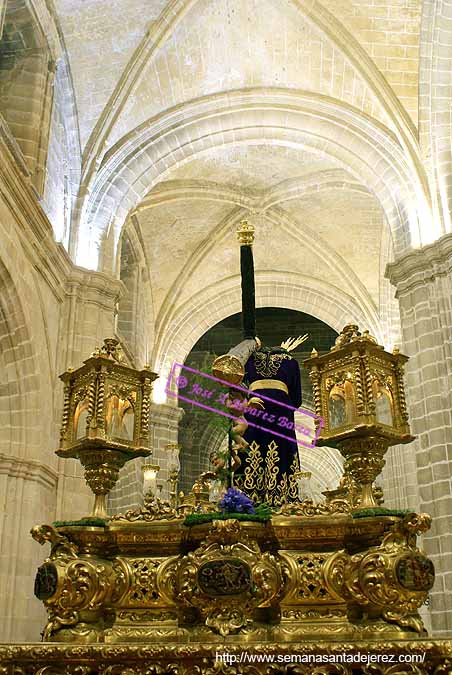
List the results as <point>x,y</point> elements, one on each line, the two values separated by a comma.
<point>153,509</point>
<point>245,233</point>
<point>227,578</point>
<point>150,582</point>
<point>60,546</point>
<point>390,581</point>
<point>364,460</point>
<point>75,589</point>
<point>201,658</point>
<point>308,508</point>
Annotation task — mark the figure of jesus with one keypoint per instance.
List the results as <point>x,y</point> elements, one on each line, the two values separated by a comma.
<point>269,465</point>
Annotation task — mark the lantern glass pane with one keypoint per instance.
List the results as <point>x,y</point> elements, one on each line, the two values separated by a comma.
<point>383,404</point>
<point>336,408</point>
<point>120,418</point>
<point>80,415</point>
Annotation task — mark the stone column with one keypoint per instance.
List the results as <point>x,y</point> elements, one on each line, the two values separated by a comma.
<point>27,488</point>
<point>48,80</point>
<point>165,419</point>
<point>423,279</point>
<point>399,478</point>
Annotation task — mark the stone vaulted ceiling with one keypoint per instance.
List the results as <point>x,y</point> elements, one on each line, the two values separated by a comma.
<point>142,69</point>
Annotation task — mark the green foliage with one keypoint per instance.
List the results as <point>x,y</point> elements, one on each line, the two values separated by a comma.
<point>219,422</point>
<point>200,518</point>
<point>223,473</point>
<point>264,510</point>
<point>380,511</point>
<point>83,522</point>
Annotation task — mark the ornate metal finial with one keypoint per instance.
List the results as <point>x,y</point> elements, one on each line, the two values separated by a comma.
<point>314,352</point>
<point>367,336</point>
<point>112,349</point>
<point>245,233</point>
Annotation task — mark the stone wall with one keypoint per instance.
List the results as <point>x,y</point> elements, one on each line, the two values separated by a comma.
<point>52,315</point>
<point>423,280</point>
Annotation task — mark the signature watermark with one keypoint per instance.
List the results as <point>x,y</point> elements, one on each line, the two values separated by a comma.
<point>210,393</point>
<point>356,657</point>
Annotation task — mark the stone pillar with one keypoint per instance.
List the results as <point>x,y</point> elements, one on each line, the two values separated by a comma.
<point>399,479</point>
<point>27,489</point>
<point>48,75</point>
<point>87,318</point>
<point>423,279</point>
<point>165,419</point>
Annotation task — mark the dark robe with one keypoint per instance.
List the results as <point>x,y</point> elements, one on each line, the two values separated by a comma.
<point>267,471</point>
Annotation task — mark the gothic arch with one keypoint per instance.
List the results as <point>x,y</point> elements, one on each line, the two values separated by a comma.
<point>21,384</point>
<point>366,149</point>
<point>314,11</point>
<point>28,482</point>
<point>174,190</point>
<point>304,239</point>
<point>291,291</point>
<point>63,166</point>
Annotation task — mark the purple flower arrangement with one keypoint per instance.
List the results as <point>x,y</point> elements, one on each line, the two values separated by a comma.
<point>235,501</point>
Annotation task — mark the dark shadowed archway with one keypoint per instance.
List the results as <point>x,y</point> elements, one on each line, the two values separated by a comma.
<point>202,431</point>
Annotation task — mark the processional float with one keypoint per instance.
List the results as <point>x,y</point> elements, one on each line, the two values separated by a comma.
<point>307,590</point>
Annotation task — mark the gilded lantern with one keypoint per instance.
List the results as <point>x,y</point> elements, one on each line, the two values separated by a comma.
<point>359,392</point>
<point>105,417</point>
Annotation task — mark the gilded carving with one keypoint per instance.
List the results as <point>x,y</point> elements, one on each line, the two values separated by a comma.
<point>308,508</point>
<point>371,579</point>
<point>155,615</point>
<point>153,509</point>
<point>358,387</point>
<point>231,578</point>
<point>306,581</point>
<point>60,545</point>
<point>181,658</point>
<point>105,418</point>
<point>228,556</point>
<point>150,582</point>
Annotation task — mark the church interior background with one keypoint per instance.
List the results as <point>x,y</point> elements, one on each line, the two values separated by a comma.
<point>134,137</point>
